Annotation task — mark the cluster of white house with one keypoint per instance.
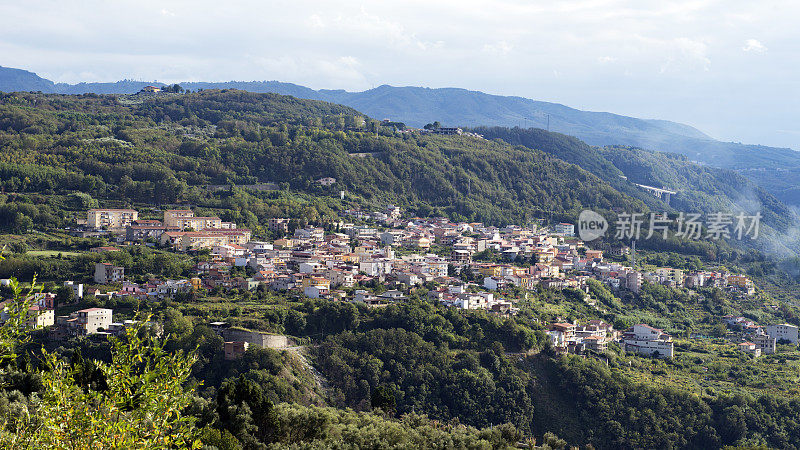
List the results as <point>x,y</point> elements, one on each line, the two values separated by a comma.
<point>318,263</point>
<point>649,341</point>
<point>84,322</point>
<point>761,339</point>
<point>619,276</point>
<point>596,334</point>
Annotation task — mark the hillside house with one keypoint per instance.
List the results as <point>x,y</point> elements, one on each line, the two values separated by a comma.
<point>649,341</point>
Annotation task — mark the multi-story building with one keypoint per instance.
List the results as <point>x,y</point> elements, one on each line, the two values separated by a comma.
<point>633,281</point>
<point>312,233</point>
<point>595,343</point>
<point>280,226</point>
<point>750,348</point>
<point>646,340</point>
<point>447,131</point>
<point>742,282</point>
<point>567,229</point>
<point>77,288</point>
<point>670,276</point>
<point>183,218</point>
<point>39,316</point>
<point>782,332</point>
<point>144,229</point>
<point>765,343</point>
<point>86,321</point>
<point>339,277</point>
<point>195,240</point>
<point>105,273</point>
<point>565,328</point>
<point>173,216</point>
<point>111,219</point>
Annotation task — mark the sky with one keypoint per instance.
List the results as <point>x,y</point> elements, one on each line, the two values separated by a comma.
<point>727,67</point>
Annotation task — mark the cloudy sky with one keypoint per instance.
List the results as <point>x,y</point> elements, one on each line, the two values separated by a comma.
<point>728,67</point>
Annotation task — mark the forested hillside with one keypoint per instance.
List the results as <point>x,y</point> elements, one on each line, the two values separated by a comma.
<point>170,150</point>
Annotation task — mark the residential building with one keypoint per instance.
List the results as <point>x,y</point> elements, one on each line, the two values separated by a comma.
<point>105,273</point>
<point>565,328</point>
<point>595,343</point>
<point>280,226</point>
<point>784,332</point>
<point>633,281</point>
<point>765,343</point>
<point>40,317</point>
<point>77,288</point>
<point>195,240</point>
<point>111,219</point>
<point>448,131</point>
<point>646,340</point>
<point>140,230</point>
<point>86,321</point>
<point>339,277</point>
<point>494,283</point>
<point>750,348</point>
<point>566,229</point>
<point>182,219</point>
<point>173,216</point>
<point>742,282</point>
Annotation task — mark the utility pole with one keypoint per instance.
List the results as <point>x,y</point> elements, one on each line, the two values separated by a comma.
<point>548,122</point>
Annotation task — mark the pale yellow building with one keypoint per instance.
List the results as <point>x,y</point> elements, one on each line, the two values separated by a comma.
<point>184,218</point>
<point>196,240</point>
<point>111,218</point>
<point>173,216</point>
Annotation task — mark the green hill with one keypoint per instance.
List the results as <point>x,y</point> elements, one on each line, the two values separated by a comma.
<point>168,149</point>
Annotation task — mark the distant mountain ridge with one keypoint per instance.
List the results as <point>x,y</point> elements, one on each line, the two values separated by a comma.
<point>417,106</point>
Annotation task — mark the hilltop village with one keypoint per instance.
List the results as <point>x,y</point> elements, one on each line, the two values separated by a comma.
<point>376,258</point>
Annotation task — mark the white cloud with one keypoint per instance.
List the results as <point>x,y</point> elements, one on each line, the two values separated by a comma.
<point>166,12</point>
<point>315,21</point>
<point>501,48</point>
<point>683,55</point>
<point>753,45</point>
<point>606,59</point>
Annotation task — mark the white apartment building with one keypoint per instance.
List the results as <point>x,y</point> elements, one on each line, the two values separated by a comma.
<point>646,340</point>
<point>87,321</point>
<point>782,331</point>
<point>567,229</point>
